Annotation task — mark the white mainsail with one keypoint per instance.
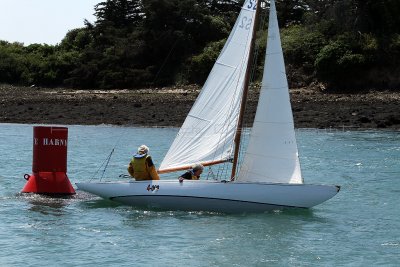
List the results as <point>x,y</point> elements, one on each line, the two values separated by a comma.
<point>208,131</point>
<point>272,154</point>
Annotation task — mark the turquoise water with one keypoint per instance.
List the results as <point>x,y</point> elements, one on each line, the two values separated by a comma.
<point>358,227</point>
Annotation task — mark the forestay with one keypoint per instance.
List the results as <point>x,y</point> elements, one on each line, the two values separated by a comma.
<point>208,131</point>
<point>272,154</point>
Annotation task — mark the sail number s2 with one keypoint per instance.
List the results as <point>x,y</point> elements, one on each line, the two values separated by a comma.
<point>245,23</point>
<point>252,4</point>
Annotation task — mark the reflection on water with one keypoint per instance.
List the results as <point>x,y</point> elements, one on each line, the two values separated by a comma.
<point>99,203</point>
<point>55,204</point>
<point>46,205</point>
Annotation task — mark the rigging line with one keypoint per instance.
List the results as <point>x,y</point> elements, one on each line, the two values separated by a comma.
<point>220,170</point>
<point>231,106</point>
<point>101,165</point>
<point>211,174</point>
<point>169,54</point>
<point>107,160</point>
<point>223,171</point>
<point>224,128</point>
<point>221,167</point>
<point>165,60</point>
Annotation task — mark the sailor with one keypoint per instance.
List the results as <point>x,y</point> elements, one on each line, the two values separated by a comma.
<point>141,166</point>
<point>193,174</point>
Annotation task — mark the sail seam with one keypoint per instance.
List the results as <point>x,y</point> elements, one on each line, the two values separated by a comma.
<point>226,65</point>
<point>190,115</point>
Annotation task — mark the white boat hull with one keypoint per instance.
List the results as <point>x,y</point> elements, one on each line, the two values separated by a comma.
<point>229,197</point>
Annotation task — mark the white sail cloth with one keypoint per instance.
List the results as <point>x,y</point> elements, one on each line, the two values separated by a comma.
<point>272,154</point>
<point>208,131</point>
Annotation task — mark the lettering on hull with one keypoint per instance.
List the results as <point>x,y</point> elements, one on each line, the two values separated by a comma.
<point>153,187</point>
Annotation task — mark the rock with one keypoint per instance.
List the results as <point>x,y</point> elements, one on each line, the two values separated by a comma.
<point>392,120</point>
<point>364,120</point>
<point>374,109</point>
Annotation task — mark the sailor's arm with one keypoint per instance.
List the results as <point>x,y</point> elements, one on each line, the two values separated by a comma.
<point>152,169</point>
<point>130,169</point>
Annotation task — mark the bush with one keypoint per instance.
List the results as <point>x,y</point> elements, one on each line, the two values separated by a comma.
<point>200,65</point>
<point>11,62</point>
<point>341,63</point>
<point>301,46</point>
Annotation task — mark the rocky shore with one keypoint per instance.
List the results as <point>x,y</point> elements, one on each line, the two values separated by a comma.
<point>169,106</point>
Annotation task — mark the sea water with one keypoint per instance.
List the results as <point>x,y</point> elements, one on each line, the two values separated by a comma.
<point>358,227</point>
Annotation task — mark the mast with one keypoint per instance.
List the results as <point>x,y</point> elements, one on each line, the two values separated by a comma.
<point>245,92</point>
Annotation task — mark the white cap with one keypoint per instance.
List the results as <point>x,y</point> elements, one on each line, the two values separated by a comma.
<point>143,149</point>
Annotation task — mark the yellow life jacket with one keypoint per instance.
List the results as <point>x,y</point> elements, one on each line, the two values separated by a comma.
<point>141,170</point>
<point>194,177</point>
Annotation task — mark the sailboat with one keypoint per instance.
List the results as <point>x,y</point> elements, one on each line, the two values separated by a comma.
<point>269,176</point>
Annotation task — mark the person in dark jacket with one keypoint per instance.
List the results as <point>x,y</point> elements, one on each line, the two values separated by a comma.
<point>193,174</point>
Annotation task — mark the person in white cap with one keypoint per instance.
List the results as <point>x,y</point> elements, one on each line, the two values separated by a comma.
<point>141,166</point>
<point>193,174</point>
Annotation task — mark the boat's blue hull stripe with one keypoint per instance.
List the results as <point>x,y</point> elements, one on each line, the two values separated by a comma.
<point>210,198</point>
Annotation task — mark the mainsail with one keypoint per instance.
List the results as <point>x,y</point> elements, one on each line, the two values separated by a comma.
<point>207,134</point>
<point>272,154</point>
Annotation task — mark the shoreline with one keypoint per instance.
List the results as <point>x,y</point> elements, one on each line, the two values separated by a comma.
<point>168,107</point>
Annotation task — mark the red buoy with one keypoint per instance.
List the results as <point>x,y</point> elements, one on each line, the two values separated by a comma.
<point>49,165</point>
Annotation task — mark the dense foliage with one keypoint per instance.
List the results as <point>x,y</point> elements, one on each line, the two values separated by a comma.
<point>342,44</point>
